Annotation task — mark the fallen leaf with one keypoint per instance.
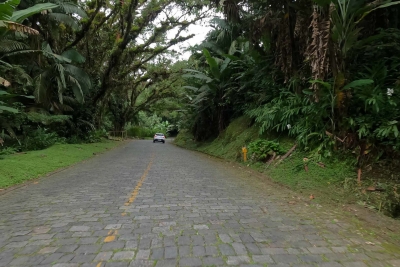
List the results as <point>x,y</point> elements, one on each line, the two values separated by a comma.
<point>322,165</point>
<point>264,209</point>
<point>370,243</point>
<point>312,196</point>
<point>292,202</point>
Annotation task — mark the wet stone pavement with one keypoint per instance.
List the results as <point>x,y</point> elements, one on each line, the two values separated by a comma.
<point>146,204</point>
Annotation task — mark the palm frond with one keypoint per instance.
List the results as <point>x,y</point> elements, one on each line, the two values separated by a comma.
<point>7,9</point>
<point>65,19</point>
<point>80,75</point>
<point>74,55</point>
<point>13,26</point>
<point>60,90</point>
<point>7,46</point>
<point>71,8</point>
<point>61,71</point>
<point>70,100</point>
<point>42,94</point>
<point>77,89</point>
<point>20,15</point>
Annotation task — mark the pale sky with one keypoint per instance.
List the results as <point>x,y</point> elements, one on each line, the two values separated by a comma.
<point>200,31</point>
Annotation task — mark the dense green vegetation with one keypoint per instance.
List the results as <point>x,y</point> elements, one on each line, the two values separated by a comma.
<point>25,166</point>
<point>71,71</point>
<point>323,73</point>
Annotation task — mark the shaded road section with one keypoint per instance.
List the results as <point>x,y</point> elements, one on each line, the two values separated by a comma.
<point>146,204</point>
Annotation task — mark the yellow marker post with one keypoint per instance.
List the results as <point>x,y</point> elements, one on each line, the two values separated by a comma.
<point>244,150</point>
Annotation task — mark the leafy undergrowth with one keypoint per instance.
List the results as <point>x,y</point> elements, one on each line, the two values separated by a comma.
<point>334,181</point>
<point>17,168</point>
<point>229,144</point>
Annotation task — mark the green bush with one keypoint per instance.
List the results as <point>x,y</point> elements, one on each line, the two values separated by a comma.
<point>75,139</point>
<point>262,149</point>
<point>40,139</point>
<point>96,136</point>
<point>7,151</point>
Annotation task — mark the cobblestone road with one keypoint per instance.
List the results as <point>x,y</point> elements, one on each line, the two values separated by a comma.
<point>148,204</point>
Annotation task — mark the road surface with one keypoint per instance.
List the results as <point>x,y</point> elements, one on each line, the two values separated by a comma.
<point>146,204</point>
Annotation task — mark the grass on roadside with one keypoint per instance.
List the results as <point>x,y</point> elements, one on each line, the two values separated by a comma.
<point>17,168</point>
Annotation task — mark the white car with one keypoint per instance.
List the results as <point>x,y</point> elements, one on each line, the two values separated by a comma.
<point>159,137</point>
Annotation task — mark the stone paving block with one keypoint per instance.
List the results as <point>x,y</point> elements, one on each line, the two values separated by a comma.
<point>88,240</point>
<point>86,249</point>
<point>143,254</point>
<point>225,238</point>
<point>81,234</point>
<point>253,248</point>
<point>239,248</point>
<point>17,244</point>
<point>339,249</point>
<point>211,251</point>
<point>141,263</point>
<point>246,238</point>
<point>145,243</point>
<point>83,258</point>
<point>123,255</point>
<point>130,245</point>
<point>48,250</point>
<point>167,263</point>
<point>285,258</point>
<point>310,258</point>
<point>184,251</point>
<point>200,227</point>
<point>193,262</point>
<point>197,240</point>
<point>319,250</point>
<point>41,242</point>
<point>57,225</point>
<point>184,240</point>
<point>117,264</point>
<point>113,246</point>
<point>272,251</point>
<point>29,250</point>
<point>79,228</point>
<point>199,251</point>
<point>330,264</point>
<point>41,229</point>
<point>226,250</point>
<point>67,248</point>
<point>157,253</point>
<point>21,233</point>
<point>236,260</point>
<point>212,261</point>
<point>355,264</point>
<point>52,258</point>
<point>103,256</point>
<point>66,258</point>
<point>66,265</point>
<point>262,259</point>
<point>171,252</point>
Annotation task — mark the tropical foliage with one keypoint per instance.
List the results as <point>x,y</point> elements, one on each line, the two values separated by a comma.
<point>324,72</point>
<point>72,70</point>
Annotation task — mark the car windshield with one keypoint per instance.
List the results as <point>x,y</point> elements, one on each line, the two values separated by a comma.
<point>159,134</point>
